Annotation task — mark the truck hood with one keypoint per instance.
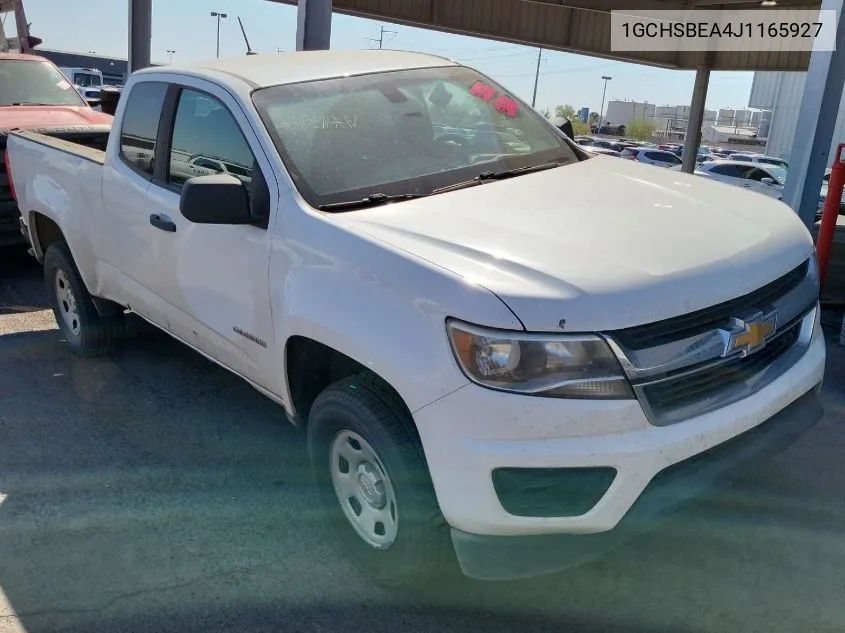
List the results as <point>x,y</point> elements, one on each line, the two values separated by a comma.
<point>602,244</point>
<point>49,117</point>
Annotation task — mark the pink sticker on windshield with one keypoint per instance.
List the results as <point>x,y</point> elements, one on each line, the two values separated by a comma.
<point>507,106</point>
<point>482,91</point>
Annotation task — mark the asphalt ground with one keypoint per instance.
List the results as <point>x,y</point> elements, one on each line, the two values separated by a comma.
<point>153,491</point>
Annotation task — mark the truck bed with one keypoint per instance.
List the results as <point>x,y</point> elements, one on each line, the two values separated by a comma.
<point>86,141</point>
<point>76,146</point>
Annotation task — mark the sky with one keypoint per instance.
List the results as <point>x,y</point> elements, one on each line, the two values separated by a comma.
<point>187,27</point>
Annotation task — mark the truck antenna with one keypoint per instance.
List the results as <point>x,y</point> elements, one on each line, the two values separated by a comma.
<point>249,50</point>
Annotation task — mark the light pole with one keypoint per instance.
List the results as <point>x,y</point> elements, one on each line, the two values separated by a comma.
<point>219,16</point>
<point>601,111</point>
<point>171,53</point>
<point>536,77</point>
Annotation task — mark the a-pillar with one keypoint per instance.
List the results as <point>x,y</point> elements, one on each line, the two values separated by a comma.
<point>314,25</point>
<point>140,33</point>
<point>696,118</point>
<point>816,123</point>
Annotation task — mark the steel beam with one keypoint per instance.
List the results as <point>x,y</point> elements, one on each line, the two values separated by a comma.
<point>696,118</point>
<point>816,123</point>
<point>140,33</point>
<point>314,25</point>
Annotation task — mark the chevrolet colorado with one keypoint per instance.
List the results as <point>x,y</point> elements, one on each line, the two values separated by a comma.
<point>500,347</point>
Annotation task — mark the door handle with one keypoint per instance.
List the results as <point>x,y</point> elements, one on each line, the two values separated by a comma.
<point>162,222</point>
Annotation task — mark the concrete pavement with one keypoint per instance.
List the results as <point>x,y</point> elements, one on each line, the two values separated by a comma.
<point>153,491</point>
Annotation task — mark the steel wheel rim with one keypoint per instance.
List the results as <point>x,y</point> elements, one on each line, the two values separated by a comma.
<point>67,303</point>
<point>364,489</point>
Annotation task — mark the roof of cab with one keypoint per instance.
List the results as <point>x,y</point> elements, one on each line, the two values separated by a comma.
<point>272,69</point>
<point>21,56</point>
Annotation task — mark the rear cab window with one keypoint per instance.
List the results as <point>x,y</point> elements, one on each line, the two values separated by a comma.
<point>140,126</point>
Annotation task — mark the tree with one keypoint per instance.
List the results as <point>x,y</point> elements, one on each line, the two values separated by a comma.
<point>579,128</point>
<point>640,130</point>
<point>546,113</point>
<point>565,111</point>
<point>593,118</point>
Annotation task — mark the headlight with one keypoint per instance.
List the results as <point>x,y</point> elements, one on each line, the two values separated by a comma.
<point>558,366</point>
<point>813,269</point>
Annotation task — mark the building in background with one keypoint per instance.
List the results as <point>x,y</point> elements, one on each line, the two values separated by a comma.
<point>670,122</point>
<point>735,117</point>
<point>584,115</point>
<point>781,92</point>
<point>114,70</point>
<point>626,112</point>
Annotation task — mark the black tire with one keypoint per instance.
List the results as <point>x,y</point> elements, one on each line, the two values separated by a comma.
<point>366,406</point>
<point>94,335</point>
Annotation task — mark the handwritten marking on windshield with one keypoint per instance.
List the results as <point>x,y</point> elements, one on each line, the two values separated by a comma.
<point>306,122</point>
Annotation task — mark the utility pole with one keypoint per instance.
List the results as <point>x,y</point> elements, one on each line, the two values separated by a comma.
<point>537,76</point>
<point>380,40</point>
<point>601,111</point>
<point>171,53</point>
<point>219,16</point>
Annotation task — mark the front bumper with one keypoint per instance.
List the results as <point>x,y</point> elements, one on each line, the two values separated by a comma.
<point>474,431</point>
<point>512,557</point>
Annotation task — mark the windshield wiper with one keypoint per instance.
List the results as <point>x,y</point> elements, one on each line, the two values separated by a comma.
<point>372,200</point>
<point>486,176</point>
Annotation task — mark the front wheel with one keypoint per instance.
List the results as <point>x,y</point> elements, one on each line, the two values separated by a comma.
<point>87,332</point>
<point>374,482</point>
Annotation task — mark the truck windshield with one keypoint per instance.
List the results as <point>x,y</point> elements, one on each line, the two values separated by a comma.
<point>402,133</point>
<point>32,82</point>
<point>86,80</point>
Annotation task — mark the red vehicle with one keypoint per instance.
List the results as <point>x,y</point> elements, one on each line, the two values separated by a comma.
<point>35,95</point>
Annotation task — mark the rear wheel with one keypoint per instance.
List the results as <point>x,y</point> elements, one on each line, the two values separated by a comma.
<point>87,332</point>
<point>374,482</point>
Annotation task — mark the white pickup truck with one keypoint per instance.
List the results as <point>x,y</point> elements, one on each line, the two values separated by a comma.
<point>501,347</point>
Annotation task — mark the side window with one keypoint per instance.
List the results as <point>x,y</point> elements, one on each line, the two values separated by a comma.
<point>756,174</point>
<point>733,171</point>
<point>140,125</point>
<point>658,156</point>
<point>207,139</point>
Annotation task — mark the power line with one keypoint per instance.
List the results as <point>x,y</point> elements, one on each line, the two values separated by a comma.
<point>470,59</point>
<point>380,40</point>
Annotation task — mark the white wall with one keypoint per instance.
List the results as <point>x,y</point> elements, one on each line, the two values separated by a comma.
<point>782,92</point>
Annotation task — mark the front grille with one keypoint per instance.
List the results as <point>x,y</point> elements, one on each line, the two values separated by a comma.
<point>703,385</point>
<point>712,318</point>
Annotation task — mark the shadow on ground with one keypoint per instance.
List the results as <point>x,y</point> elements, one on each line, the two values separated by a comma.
<point>21,289</point>
<point>153,491</point>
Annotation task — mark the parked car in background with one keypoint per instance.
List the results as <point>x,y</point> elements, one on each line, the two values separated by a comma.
<point>35,95</point>
<point>650,156</point>
<point>88,81</point>
<point>765,179</point>
<point>823,193</point>
<point>760,159</point>
<point>603,151</point>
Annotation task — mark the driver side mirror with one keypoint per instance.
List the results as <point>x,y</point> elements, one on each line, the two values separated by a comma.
<point>215,199</point>
<point>767,181</point>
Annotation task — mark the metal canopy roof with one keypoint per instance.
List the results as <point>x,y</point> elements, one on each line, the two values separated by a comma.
<point>577,26</point>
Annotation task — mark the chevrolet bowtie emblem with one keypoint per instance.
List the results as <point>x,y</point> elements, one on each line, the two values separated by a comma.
<point>747,336</point>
